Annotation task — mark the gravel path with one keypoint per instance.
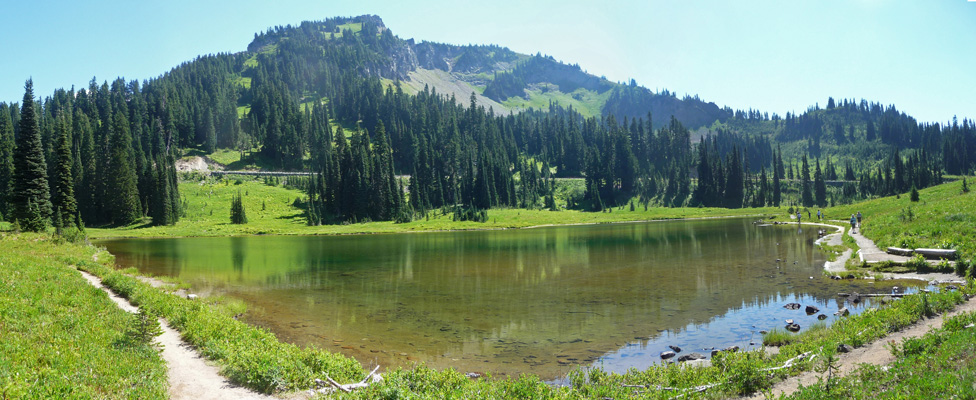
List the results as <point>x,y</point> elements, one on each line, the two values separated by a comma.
<point>189,375</point>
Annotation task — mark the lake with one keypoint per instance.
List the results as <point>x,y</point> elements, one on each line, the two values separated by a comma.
<point>538,301</point>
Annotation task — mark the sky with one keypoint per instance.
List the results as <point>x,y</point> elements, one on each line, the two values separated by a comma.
<point>771,55</point>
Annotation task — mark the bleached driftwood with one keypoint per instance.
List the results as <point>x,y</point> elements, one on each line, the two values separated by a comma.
<point>789,363</point>
<point>368,380</point>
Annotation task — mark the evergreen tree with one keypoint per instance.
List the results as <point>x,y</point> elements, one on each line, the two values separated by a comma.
<point>124,201</point>
<point>31,194</point>
<point>807,193</point>
<point>237,213</point>
<point>64,193</point>
<point>6,160</point>
<point>819,187</point>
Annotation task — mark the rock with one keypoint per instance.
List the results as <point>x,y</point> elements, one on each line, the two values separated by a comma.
<point>667,354</point>
<point>763,332</point>
<point>849,276</point>
<point>691,357</point>
<point>793,327</point>
<point>812,310</point>
<point>854,298</point>
<point>675,348</point>
<point>951,287</point>
<point>731,349</point>
<point>821,317</point>
<point>192,296</point>
<point>844,348</point>
<point>887,299</point>
<point>789,322</point>
<point>843,312</point>
<point>835,277</point>
<point>792,306</point>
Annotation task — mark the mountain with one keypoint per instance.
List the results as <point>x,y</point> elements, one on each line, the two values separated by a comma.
<point>474,127</point>
<point>501,79</point>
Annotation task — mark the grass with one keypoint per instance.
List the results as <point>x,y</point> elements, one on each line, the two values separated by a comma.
<point>944,218</point>
<point>62,338</point>
<point>941,364</point>
<point>247,355</point>
<point>587,102</point>
<point>271,210</point>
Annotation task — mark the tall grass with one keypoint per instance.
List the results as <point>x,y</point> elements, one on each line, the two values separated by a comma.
<point>62,338</point>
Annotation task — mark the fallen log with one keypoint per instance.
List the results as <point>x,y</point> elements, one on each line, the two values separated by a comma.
<point>937,253</point>
<point>875,295</point>
<point>898,251</point>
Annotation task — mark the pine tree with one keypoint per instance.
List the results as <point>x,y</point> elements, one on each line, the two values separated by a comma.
<point>6,160</point>
<point>31,194</point>
<point>237,213</point>
<point>124,201</point>
<point>807,193</point>
<point>64,193</point>
<point>819,187</point>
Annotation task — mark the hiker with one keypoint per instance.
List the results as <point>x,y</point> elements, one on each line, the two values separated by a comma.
<point>798,217</point>
<point>853,223</point>
<point>858,219</point>
<point>819,215</point>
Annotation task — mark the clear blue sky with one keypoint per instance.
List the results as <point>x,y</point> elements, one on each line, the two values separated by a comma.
<point>771,55</point>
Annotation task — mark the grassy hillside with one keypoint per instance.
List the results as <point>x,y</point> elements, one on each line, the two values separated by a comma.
<point>62,338</point>
<point>944,217</point>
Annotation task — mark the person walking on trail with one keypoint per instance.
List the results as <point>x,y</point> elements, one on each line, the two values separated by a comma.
<point>853,223</point>
<point>798,215</point>
<point>858,219</point>
<point>819,215</point>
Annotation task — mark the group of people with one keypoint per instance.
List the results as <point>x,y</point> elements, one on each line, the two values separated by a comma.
<point>855,218</point>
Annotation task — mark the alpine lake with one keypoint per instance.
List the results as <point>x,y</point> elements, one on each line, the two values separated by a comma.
<point>506,302</point>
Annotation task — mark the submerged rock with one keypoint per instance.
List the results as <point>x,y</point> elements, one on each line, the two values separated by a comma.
<point>691,357</point>
<point>667,354</point>
<point>812,310</point>
<point>792,306</point>
<point>793,327</point>
<point>821,317</point>
<point>675,348</point>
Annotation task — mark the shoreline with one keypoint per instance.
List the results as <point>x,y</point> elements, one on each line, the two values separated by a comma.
<point>636,221</point>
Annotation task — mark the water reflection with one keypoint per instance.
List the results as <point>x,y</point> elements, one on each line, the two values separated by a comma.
<point>539,300</point>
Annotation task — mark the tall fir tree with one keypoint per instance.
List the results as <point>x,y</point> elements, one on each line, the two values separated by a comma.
<point>819,187</point>
<point>31,195</point>
<point>6,160</point>
<point>806,195</point>
<point>124,202</point>
<point>65,204</point>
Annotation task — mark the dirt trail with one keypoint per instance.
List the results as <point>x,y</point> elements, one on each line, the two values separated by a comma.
<point>190,377</point>
<point>874,353</point>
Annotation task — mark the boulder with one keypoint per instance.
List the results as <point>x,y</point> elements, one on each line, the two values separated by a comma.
<point>843,312</point>
<point>667,354</point>
<point>691,357</point>
<point>675,348</point>
<point>792,306</point>
<point>821,317</point>
<point>793,327</point>
<point>812,310</point>
<point>731,349</point>
<point>844,348</point>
